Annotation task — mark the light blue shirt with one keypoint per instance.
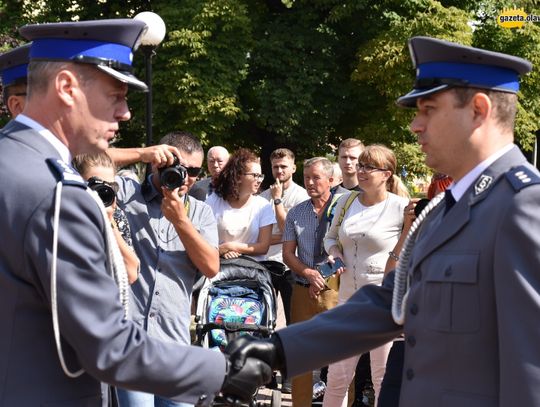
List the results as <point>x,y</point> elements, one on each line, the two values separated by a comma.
<point>161,297</point>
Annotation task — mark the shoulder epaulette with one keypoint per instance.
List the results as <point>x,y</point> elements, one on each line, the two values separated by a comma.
<point>521,177</point>
<point>65,173</point>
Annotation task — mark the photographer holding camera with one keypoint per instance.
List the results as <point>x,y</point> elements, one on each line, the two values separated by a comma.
<point>99,172</point>
<point>174,236</point>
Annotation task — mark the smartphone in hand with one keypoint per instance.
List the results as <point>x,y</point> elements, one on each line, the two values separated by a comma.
<point>327,269</point>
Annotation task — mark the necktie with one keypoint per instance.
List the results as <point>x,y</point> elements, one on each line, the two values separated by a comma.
<point>448,200</point>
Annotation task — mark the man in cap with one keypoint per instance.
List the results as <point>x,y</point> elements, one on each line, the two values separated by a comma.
<point>471,271</point>
<point>13,66</point>
<point>56,281</point>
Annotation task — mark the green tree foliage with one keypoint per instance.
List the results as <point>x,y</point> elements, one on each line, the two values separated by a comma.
<point>303,74</point>
<point>198,70</point>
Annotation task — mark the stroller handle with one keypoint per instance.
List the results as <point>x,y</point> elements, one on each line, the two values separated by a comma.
<point>234,327</point>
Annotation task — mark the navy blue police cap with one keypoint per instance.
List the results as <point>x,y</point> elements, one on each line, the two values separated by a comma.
<point>442,64</point>
<point>107,44</point>
<point>14,64</point>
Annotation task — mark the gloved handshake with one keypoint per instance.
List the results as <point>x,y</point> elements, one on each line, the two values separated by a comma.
<point>250,365</point>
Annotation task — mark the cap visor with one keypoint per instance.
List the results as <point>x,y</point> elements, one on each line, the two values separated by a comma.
<point>125,77</point>
<point>409,100</point>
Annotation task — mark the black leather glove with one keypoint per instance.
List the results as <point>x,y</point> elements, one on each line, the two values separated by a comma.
<point>241,384</point>
<point>269,351</point>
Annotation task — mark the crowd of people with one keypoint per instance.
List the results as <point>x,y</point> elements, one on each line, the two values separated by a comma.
<point>101,267</point>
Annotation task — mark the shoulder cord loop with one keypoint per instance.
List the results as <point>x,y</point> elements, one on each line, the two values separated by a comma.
<point>115,267</point>
<point>401,278</point>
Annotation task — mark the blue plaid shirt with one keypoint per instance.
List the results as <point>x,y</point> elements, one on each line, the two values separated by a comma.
<point>304,227</point>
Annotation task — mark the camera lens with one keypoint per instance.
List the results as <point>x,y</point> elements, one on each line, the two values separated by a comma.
<point>106,192</point>
<point>107,195</point>
<point>173,177</point>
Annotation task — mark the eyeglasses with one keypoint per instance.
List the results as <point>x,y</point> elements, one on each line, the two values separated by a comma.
<point>193,171</point>
<point>368,168</point>
<point>259,177</point>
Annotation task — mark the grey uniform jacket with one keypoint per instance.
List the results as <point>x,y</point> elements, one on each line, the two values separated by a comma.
<point>472,326</point>
<point>94,334</point>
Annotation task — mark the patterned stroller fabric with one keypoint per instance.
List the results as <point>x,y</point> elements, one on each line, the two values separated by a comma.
<point>233,304</point>
<point>241,294</point>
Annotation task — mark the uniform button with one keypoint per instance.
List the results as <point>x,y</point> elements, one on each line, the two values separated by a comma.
<point>414,309</point>
<point>410,374</point>
<point>203,397</point>
<point>157,292</point>
<point>448,271</point>
<point>152,314</point>
<point>411,340</point>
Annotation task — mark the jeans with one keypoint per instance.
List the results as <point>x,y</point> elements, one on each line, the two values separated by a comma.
<point>129,398</point>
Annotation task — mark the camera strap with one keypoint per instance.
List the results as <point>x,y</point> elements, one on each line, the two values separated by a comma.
<point>187,204</point>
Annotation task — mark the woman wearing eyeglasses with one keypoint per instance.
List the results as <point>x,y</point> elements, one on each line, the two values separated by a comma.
<point>100,170</point>
<point>244,219</point>
<point>369,230</point>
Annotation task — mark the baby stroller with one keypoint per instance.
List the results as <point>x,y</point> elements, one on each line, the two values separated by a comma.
<point>240,300</point>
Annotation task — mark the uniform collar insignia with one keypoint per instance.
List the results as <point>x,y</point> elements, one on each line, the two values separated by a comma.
<point>482,184</point>
<point>66,173</point>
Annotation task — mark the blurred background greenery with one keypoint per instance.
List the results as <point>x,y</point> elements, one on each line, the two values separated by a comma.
<point>302,74</point>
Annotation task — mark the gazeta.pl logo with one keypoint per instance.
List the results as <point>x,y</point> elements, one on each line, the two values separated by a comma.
<point>515,18</point>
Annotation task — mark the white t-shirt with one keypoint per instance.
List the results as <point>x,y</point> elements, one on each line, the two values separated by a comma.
<point>292,196</point>
<point>242,224</point>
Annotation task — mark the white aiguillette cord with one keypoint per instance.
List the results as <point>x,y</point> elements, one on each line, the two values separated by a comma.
<point>115,267</point>
<point>401,278</point>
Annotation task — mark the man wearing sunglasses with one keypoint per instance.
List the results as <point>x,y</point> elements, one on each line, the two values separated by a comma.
<point>174,235</point>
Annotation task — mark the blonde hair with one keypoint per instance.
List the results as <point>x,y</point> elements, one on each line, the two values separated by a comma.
<point>350,143</point>
<point>83,162</point>
<point>381,156</point>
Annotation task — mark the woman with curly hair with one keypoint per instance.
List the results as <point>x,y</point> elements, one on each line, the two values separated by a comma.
<point>244,219</point>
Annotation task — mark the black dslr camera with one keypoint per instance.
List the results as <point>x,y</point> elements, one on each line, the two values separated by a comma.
<point>173,176</point>
<point>105,191</point>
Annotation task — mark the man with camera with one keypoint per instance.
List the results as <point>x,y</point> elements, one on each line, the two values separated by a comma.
<point>174,236</point>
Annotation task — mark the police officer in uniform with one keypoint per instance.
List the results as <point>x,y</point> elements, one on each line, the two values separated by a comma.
<point>472,267</point>
<point>13,66</point>
<point>63,318</point>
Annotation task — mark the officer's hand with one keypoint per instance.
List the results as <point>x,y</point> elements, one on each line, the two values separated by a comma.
<point>241,384</point>
<point>269,351</point>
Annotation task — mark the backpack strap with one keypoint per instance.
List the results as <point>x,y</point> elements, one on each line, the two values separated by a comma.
<point>350,199</point>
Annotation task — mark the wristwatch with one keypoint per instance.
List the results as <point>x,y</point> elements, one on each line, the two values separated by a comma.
<point>277,201</point>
